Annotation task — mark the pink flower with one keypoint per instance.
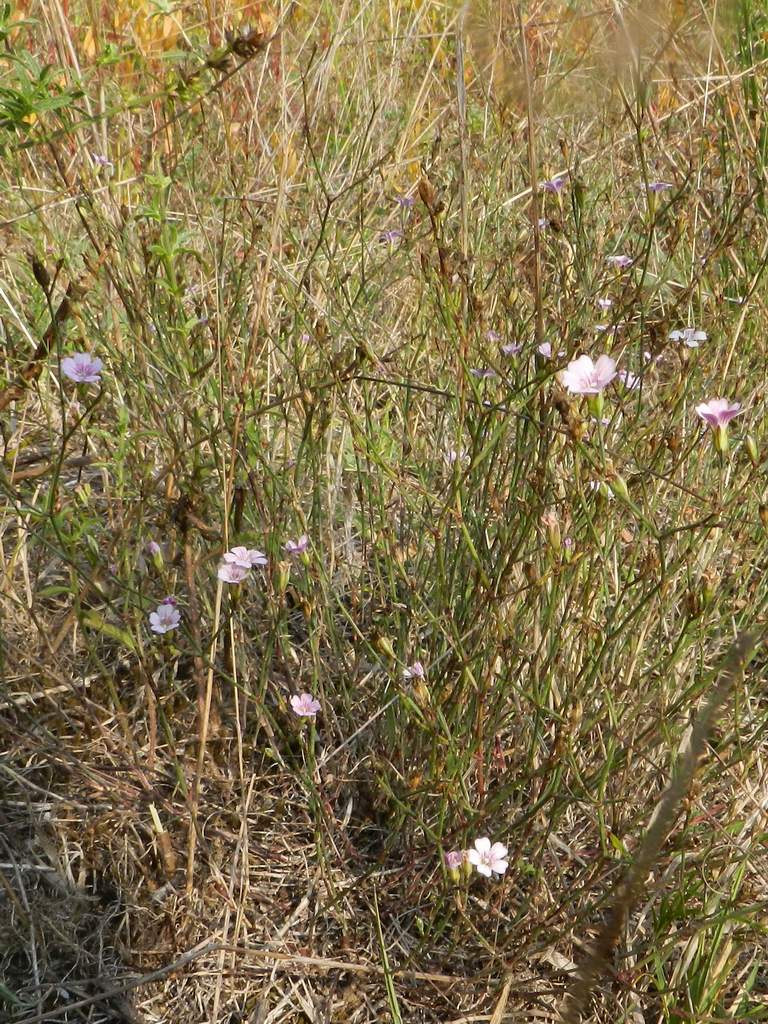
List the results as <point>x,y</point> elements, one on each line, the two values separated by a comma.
<point>630,380</point>
<point>492,335</point>
<point>414,671</point>
<point>230,572</point>
<point>554,184</point>
<point>165,617</point>
<point>620,260</point>
<point>392,235</point>
<point>454,859</point>
<point>718,412</point>
<point>82,367</point>
<point>605,303</point>
<point>246,558</point>
<point>304,705</point>
<point>483,373</point>
<point>488,858</point>
<point>659,186</point>
<point>512,349</point>
<point>545,350</point>
<point>454,455</point>
<point>296,547</point>
<point>689,336</point>
<point>600,488</point>
<point>583,377</point>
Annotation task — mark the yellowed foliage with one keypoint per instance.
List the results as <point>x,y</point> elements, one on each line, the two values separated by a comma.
<point>151,30</point>
<point>578,51</point>
<point>286,157</point>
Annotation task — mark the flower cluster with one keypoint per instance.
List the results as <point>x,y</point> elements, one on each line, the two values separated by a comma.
<point>237,564</point>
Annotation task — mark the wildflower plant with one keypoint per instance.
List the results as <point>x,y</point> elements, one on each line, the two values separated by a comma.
<point>328,273</point>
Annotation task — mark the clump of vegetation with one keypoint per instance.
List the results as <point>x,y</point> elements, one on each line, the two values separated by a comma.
<point>384,511</point>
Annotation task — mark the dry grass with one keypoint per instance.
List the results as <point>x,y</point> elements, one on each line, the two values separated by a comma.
<point>175,844</point>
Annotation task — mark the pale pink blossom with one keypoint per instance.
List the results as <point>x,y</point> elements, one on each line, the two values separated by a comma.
<point>165,617</point>
<point>630,380</point>
<point>483,373</point>
<point>659,186</point>
<point>231,572</point>
<point>454,455</point>
<point>554,184</point>
<point>512,349</point>
<point>718,412</point>
<point>82,367</point>
<point>488,857</point>
<point>605,303</point>
<point>620,260</point>
<point>414,671</point>
<point>545,350</point>
<point>297,547</point>
<point>391,235</point>
<point>601,488</point>
<point>689,336</point>
<point>246,558</point>
<point>304,705</point>
<point>584,377</point>
<point>454,859</point>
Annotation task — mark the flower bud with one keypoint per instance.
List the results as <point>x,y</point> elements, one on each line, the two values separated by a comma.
<point>283,576</point>
<point>721,439</point>
<point>384,646</point>
<point>619,487</point>
<point>754,454</point>
<point>155,552</point>
<point>595,404</point>
<point>427,193</point>
<point>551,524</point>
